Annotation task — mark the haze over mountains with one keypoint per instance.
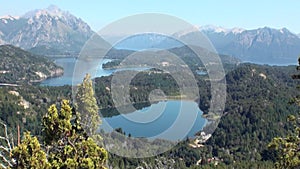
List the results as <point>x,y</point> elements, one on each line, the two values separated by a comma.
<point>52,31</point>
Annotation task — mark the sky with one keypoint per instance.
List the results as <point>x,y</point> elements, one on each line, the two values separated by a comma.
<point>226,13</point>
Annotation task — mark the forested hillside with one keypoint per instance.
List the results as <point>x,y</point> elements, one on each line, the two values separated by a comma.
<point>256,109</point>
<point>19,66</point>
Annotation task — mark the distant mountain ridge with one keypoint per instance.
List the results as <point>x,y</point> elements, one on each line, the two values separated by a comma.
<point>52,31</point>
<point>45,31</point>
<point>262,45</point>
<point>219,29</point>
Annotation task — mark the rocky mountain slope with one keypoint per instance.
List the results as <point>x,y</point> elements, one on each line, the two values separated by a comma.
<point>262,45</point>
<point>49,31</point>
<point>52,31</point>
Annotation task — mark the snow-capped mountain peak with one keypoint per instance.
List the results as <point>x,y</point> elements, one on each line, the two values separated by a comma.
<point>49,29</point>
<point>237,30</point>
<point>219,29</point>
<point>5,19</point>
<point>212,28</point>
<point>9,17</point>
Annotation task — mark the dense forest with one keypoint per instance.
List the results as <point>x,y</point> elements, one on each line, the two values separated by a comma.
<point>257,106</point>
<point>256,109</point>
<point>18,66</point>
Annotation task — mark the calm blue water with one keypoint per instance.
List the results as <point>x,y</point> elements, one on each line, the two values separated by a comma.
<point>72,77</point>
<point>171,120</point>
<point>201,72</point>
<point>69,77</point>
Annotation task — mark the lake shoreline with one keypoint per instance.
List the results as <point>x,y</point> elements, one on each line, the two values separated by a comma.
<point>156,118</point>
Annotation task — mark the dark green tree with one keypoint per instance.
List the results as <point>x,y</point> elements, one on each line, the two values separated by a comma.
<point>288,148</point>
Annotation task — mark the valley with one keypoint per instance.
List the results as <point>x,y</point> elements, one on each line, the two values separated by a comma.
<point>157,102</point>
<point>240,118</point>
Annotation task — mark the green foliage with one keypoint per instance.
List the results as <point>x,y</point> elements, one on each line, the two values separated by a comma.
<point>66,144</point>
<point>10,111</point>
<point>255,107</point>
<point>57,124</point>
<point>23,67</point>
<point>288,147</point>
<point>29,154</point>
<point>239,165</point>
<point>70,145</point>
<point>185,53</point>
<point>84,153</point>
<point>254,110</point>
<point>39,99</point>
<point>111,65</point>
<point>141,87</point>
<point>86,105</point>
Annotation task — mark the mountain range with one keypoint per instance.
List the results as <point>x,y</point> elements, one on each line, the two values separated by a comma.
<point>49,31</point>
<point>262,45</point>
<point>52,31</point>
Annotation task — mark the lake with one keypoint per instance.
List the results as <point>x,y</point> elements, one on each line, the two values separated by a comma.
<point>150,122</point>
<point>153,121</point>
<point>86,66</point>
<point>68,78</point>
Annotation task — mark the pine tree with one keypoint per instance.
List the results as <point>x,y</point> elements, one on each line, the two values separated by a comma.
<point>29,154</point>
<point>288,148</point>
<point>72,148</point>
<point>56,124</point>
<point>86,105</point>
<point>66,144</point>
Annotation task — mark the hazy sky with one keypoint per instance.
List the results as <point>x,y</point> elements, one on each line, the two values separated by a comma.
<point>227,13</point>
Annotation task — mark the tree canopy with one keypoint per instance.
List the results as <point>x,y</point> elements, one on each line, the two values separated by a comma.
<point>86,105</point>
<point>288,148</point>
<point>66,145</point>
